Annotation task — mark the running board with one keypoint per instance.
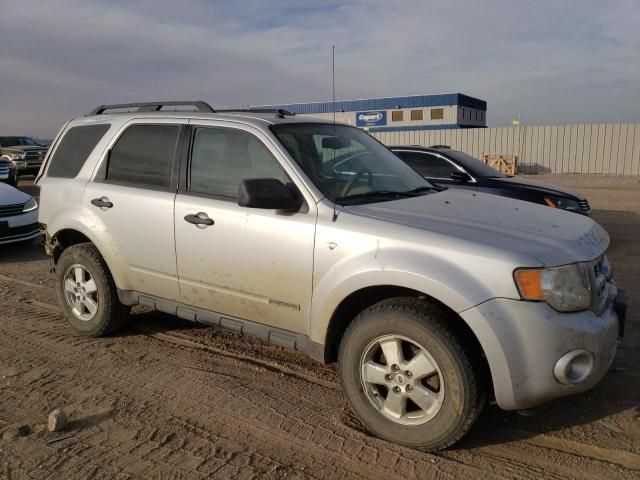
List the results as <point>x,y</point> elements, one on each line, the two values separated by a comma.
<point>274,335</point>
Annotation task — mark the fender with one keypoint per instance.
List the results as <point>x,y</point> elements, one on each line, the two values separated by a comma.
<point>98,236</point>
<point>437,276</point>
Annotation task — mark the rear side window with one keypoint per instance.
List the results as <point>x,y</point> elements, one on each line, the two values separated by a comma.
<point>427,165</point>
<point>143,156</point>
<point>74,149</point>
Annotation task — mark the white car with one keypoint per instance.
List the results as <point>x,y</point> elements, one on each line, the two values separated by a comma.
<point>18,216</point>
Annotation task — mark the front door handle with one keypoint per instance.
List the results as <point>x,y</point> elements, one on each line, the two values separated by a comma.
<point>200,220</point>
<point>102,202</point>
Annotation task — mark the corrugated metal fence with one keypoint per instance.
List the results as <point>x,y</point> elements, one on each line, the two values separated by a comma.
<point>606,148</point>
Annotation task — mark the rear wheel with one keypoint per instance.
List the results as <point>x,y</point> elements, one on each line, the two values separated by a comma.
<point>408,377</point>
<point>87,293</point>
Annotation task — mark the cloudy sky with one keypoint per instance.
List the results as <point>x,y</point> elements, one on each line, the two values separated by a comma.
<point>549,61</point>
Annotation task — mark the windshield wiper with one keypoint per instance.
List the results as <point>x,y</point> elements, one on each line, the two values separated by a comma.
<point>421,190</point>
<point>378,195</point>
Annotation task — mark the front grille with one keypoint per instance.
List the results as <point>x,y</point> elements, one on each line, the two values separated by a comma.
<point>37,155</point>
<point>600,284</point>
<point>11,210</point>
<point>4,170</point>
<point>18,231</point>
<point>584,205</point>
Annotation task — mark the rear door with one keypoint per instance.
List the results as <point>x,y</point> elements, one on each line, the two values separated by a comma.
<point>248,263</point>
<point>434,168</point>
<point>132,196</point>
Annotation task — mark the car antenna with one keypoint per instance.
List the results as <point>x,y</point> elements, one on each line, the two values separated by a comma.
<point>333,150</point>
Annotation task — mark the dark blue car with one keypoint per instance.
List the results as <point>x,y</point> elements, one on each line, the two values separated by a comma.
<point>454,169</point>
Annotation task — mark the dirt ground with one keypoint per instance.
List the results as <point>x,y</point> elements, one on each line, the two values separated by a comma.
<point>170,399</point>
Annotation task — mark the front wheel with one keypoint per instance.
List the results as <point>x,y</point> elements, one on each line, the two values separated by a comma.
<point>87,293</point>
<point>408,377</point>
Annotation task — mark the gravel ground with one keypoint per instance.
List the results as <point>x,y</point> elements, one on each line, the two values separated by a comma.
<point>170,399</point>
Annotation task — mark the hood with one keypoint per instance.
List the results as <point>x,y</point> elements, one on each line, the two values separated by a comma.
<point>25,148</point>
<point>552,236</point>
<point>521,183</point>
<point>12,196</point>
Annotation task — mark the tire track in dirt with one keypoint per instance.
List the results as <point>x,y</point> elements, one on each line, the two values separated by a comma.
<point>317,445</point>
<point>335,440</point>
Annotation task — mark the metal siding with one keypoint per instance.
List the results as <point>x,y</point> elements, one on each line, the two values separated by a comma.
<point>573,143</point>
<point>582,148</point>
<point>635,155</point>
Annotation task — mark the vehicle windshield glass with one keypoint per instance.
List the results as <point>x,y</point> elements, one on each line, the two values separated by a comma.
<point>14,141</point>
<point>474,165</point>
<point>348,165</point>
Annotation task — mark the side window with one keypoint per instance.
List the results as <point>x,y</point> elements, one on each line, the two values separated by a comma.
<point>427,165</point>
<point>144,155</point>
<point>74,149</point>
<point>222,158</point>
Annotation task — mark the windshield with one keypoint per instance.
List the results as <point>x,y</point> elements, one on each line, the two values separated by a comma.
<point>14,141</point>
<point>347,164</point>
<point>474,165</point>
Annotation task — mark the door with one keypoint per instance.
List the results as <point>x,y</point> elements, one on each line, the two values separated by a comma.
<point>435,168</point>
<point>133,197</point>
<point>247,263</point>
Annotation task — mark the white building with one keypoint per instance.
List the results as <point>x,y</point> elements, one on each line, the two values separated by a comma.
<point>389,114</point>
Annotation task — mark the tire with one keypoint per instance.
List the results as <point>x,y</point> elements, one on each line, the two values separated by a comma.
<point>448,401</point>
<point>106,314</point>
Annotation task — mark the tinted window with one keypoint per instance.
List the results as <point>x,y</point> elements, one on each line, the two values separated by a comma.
<point>430,166</point>
<point>416,114</point>
<point>222,158</point>
<point>74,148</point>
<point>144,155</point>
<point>437,113</point>
<point>397,116</point>
<point>474,165</point>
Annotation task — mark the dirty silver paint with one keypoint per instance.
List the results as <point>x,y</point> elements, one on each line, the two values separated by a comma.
<point>292,271</point>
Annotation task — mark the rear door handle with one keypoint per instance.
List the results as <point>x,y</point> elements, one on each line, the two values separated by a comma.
<point>200,220</point>
<point>102,202</point>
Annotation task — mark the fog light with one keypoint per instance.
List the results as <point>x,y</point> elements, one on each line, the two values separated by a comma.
<point>574,367</point>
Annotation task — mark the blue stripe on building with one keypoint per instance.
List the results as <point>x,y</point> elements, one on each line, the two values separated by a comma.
<point>387,103</point>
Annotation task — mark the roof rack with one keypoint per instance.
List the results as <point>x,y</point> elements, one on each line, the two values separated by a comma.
<point>278,111</point>
<point>154,106</point>
<point>442,147</point>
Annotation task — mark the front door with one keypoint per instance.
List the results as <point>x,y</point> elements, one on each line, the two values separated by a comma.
<point>247,263</point>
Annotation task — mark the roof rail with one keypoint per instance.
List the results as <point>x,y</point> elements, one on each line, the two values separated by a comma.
<point>277,111</point>
<point>154,106</point>
<point>440,146</point>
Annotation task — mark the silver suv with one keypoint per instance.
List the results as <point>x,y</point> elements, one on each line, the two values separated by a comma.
<point>314,236</point>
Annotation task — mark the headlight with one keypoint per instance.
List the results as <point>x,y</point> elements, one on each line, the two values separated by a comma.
<point>565,288</point>
<point>30,206</point>
<point>562,203</point>
<point>16,156</point>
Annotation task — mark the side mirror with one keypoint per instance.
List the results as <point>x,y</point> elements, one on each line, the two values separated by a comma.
<point>460,176</point>
<point>267,193</point>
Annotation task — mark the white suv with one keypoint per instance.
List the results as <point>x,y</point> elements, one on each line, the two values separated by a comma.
<point>314,236</point>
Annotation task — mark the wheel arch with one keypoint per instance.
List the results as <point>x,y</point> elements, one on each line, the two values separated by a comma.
<point>363,298</point>
<point>69,236</point>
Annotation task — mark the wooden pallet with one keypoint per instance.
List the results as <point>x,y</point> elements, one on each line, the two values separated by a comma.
<point>507,164</point>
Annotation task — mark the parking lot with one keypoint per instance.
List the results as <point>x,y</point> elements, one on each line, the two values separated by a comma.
<point>170,399</point>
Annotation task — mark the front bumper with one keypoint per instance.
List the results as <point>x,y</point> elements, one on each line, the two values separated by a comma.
<point>19,228</point>
<point>525,341</point>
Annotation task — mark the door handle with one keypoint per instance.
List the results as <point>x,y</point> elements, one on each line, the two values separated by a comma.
<point>200,220</point>
<point>102,202</point>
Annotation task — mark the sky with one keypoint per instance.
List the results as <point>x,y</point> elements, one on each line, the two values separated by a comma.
<point>547,61</point>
